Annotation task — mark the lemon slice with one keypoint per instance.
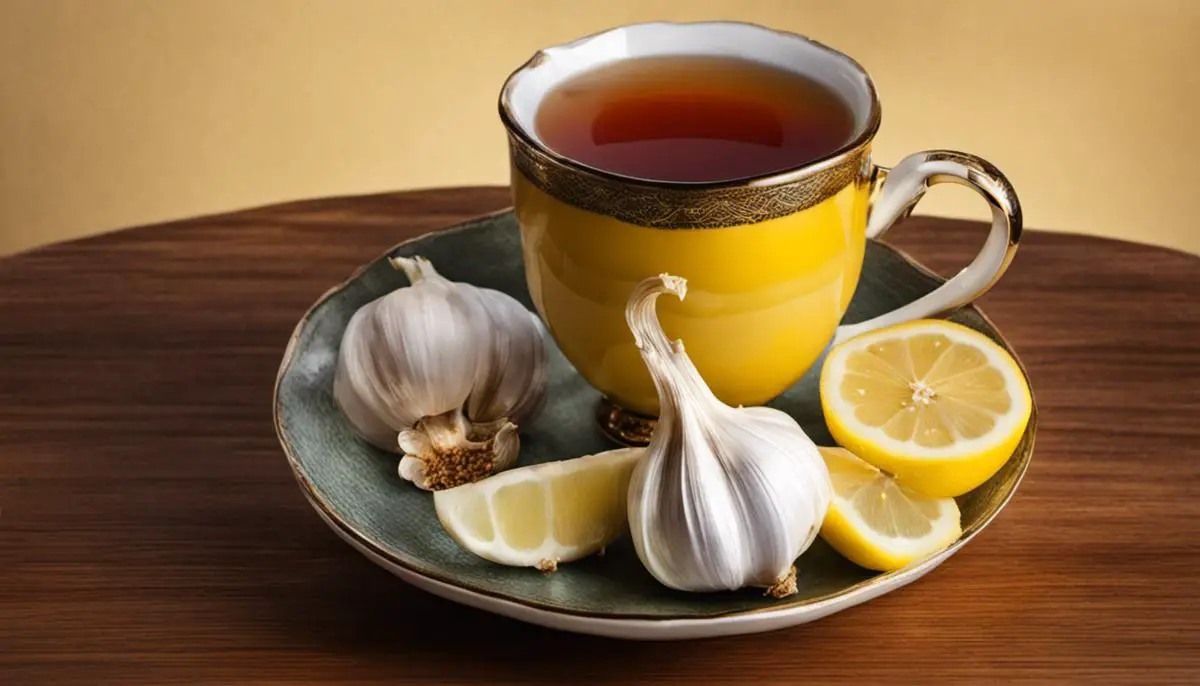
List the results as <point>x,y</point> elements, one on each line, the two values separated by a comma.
<point>877,523</point>
<point>938,405</point>
<point>544,514</point>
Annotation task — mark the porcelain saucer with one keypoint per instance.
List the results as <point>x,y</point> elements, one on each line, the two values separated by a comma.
<point>356,491</point>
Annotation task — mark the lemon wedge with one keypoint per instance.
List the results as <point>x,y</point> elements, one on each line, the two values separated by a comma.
<point>877,523</point>
<point>936,404</point>
<point>544,514</point>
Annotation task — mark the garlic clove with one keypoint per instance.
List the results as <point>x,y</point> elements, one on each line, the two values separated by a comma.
<point>409,354</point>
<point>505,386</point>
<point>366,421</point>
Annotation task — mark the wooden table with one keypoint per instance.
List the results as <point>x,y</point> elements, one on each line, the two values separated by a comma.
<point>151,533</point>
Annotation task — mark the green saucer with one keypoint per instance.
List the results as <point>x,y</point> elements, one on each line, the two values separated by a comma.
<point>357,491</point>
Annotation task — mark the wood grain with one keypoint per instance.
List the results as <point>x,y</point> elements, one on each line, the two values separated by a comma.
<point>150,531</point>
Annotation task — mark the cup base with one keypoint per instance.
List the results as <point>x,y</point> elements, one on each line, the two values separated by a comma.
<point>624,426</point>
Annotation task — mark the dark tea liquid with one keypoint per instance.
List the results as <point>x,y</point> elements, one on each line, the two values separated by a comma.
<point>693,119</point>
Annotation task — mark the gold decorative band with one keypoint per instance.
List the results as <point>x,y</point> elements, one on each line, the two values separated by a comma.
<point>675,207</point>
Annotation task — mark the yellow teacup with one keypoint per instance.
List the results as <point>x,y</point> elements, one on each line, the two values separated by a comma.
<point>771,262</point>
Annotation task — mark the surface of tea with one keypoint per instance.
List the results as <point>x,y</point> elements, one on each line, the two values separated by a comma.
<point>693,119</point>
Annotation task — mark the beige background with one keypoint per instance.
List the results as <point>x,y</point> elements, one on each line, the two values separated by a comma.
<point>119,112</point>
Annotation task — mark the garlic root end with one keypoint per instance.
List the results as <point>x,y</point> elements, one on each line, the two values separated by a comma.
<point>785,586</point>
<point>447,450</point>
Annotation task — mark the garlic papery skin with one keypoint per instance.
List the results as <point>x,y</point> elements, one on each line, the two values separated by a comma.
<point>725,497</point>
<point>444,372</point>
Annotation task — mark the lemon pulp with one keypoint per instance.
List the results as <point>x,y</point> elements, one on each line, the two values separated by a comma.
<point>937,404</point>
<point>878,523</point>
<point>540,515</point>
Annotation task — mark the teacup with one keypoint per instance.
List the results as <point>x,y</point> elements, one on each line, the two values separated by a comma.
<point>771,261</point>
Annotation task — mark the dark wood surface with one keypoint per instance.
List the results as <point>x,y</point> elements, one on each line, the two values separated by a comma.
<point>151,533</point>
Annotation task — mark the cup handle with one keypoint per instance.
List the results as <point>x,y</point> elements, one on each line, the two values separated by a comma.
<point>903,186</point>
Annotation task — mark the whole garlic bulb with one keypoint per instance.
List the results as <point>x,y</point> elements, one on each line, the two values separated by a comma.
<point>444,372</point>
<point>725,497</point>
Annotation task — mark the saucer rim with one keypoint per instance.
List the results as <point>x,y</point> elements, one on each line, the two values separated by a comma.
<point>629,625</point>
